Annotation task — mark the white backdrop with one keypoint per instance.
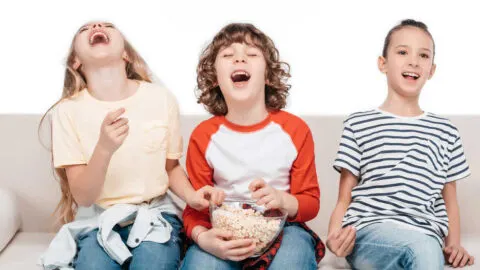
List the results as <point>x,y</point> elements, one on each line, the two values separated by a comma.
<point>332,47</point>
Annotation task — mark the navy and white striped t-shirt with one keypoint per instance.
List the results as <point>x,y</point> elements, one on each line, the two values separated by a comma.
<point>402,165</point>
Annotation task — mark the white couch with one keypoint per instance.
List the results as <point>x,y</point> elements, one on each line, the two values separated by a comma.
<point>26,175</point>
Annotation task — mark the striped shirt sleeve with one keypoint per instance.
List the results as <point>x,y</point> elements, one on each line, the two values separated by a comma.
<point>457,166</point>
<point>349,153</point>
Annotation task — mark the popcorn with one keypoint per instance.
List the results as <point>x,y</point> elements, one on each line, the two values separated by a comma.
<point>247,223</point>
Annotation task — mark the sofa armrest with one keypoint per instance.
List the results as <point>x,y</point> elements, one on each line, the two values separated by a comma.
<point>9,216</point>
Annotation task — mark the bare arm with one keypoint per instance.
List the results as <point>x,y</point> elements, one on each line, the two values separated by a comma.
<point>449,194</point>
<point>178,180</point>
<point>455,254</point>
<point>340,240</point>
<point>347,182</point>
<point>86,181</point>
<point>181,186</point>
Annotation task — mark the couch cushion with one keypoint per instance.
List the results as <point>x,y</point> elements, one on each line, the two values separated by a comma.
<point>23,252</point>
<point>25,249</point>
<point>9,217</point>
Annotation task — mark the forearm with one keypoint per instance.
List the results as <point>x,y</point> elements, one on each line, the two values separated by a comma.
<point>87,185</point>
<point>336,219</point>
<point>196,231</point>
<point>453,213</point>
<point>179,183</point>
<point>290,204</point>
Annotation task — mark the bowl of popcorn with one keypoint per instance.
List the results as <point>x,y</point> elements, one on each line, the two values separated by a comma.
<point>247,220</point>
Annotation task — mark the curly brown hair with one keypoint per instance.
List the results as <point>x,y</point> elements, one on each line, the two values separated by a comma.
<point>277,72</point>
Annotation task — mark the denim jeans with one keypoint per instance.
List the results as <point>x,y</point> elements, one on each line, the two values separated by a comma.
<point>393,246</point>
<point>148,255</point>
<point>297,251</point>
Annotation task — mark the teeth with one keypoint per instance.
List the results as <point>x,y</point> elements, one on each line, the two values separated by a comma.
<point>415,75</point>
<point>240,73</point>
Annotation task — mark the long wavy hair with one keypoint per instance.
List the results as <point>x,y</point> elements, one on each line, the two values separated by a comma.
<point>74,82</point>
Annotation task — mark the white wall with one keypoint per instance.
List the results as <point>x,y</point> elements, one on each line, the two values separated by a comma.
<point>332,47</point>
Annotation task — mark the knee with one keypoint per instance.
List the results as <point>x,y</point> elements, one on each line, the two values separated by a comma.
<point>297,250</point>
<point>90,255</point>
<point>424,254</point>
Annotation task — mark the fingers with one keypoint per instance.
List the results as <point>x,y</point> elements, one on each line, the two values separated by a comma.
<point>471,261</point>
<point>272,203</point>
<point>350,247</point>
<point>347,240</point>
<point>119,123</point>
<point>256,184</point>
<point>261,193</point>
<point>240,254</point>
<point>121,130</point>
<point>212,194</point>
<point>464,261</point>
<point>238,243</point>
<point>113,115</point>
<point>262,196</point>
<point>221,233</point>
<point>341,242</point>
<point>458,258</point>
<point>452,255</point>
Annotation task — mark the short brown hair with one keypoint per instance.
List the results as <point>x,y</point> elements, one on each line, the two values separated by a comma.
<point>277,74</point>
<point>401,25</point>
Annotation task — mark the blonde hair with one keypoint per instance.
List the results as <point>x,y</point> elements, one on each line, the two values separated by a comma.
<point>74,82</point>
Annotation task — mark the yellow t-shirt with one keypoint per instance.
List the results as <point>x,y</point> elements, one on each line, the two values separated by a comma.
<point>136,172</point>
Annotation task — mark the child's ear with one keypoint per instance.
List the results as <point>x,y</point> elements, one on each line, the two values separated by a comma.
<point>125,56</point>
<point>76,63</point>
<point>432,71</point>
<point>382,64</point>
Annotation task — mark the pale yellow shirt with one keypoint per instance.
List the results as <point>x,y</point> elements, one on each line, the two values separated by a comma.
<point>136,172</point>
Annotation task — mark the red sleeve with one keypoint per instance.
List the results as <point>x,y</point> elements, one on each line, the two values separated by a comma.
<point>199,173</point>
<point>303,174</point>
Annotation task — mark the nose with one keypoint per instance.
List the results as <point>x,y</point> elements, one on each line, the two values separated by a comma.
<point>239,58</point>
<point>413,61</point>
<point>96,25</point>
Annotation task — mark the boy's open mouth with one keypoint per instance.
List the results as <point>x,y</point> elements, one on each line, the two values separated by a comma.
<point>411,75</point>
<point>240,76</point>
<point>98,37</point>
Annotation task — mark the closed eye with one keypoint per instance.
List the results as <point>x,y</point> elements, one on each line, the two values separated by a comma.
<point>83,29</point>
<point>402,52</point>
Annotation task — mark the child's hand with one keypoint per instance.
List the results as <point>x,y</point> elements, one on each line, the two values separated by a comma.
<point>457,256</point>
<point>266,195</point>
<point>216,242</point>
<point>113,131</point>
<point>341,242</point>
<point>201,198</point>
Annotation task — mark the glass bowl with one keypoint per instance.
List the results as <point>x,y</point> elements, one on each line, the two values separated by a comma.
<point>247,220</point>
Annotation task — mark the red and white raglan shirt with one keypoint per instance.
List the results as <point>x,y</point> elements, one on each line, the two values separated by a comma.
<point>279,150</point>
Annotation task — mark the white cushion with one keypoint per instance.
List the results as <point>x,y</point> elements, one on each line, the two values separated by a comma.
<point>9,217</point>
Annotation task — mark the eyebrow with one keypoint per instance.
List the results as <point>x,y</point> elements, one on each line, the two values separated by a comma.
<point>426,49</point>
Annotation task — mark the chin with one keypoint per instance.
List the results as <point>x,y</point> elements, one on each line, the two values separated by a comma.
<point>409,92</point>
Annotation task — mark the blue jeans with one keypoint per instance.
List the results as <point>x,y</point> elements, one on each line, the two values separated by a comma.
<point>297,251</point>
<point>392,246</point>
<point>148,255</point>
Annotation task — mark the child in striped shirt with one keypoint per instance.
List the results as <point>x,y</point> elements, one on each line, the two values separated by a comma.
<point>399,166</point>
